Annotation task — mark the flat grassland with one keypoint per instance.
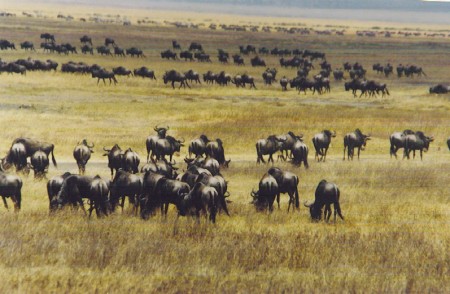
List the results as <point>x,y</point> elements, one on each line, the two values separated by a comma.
<point>396,235</point>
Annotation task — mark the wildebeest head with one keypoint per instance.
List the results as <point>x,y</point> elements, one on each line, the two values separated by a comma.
<point>85,143</point>
<point>362,137</point>
<point>315,211</point>
<point>161,131</point>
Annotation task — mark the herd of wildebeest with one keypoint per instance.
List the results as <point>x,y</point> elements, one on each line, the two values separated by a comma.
<point>198,189</point>
<point>302,60</point>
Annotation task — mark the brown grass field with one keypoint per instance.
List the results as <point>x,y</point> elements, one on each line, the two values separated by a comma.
<point>396,234</point>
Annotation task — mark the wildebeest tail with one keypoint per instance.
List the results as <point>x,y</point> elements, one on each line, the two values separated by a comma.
<point>337,206</point>
<point>53,157</point>
<point>297,198</point>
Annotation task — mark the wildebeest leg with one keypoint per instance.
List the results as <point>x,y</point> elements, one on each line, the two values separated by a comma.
<point>173,84</point>
<point>414,154</point>
<point>344,151</point>
<point>359,151</point>
<point>4,202</point>
<point>421,154</point>
<point>278,200</point>
<point>122,203</point>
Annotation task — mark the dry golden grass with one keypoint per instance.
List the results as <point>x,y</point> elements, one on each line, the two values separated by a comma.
<point>396,234</point>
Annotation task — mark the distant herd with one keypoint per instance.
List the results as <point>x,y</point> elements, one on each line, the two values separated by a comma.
<point>200,189</point>
<point>302,60</point>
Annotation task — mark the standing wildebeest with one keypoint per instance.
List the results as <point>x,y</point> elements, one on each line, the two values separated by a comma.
<point>121,71</point>
<point>289,140</point>
<point>109,41</point>
<point>397,141</point>
<point>321,142</point>
<point>175,76</point>
<point>31,146</point>
<point>268,146</point>
<point>48,37</point>
<point>169,191</point>
<point>99,193</point>
<point>257,61</point>
<point>218,182</point>
<point>168,54</point>
<point>103,74</point>
<point>144,72</point>
<point>151,140</point>
<point>186,55</point>
<point>162,167</point>
<point>167,146</point>
<point>300,153</point>
<point>115,155</point>
<point>87,49</point>
<point>53,187</point>
<point>201,198</point>
<point>354,140</point>
<point>198,146</point>
<point>417,141</point>
<point>192,76</point>
<point>195,46</point>
<point>39,164</point>
<point>82,154</point>
<point>238,60</point>
<point>11,186</point>
<point>134,51</point>
<point>327,193</point>
<point>119,51</point>
<point>125,184</point>
<point>266,194</point>
<point>17,156</point>
<point>86,40</point>
<point>131,161</point>
<point>287,183</point>
<point>284,82</point>
<point>27,45</point>
<point>176,45</point>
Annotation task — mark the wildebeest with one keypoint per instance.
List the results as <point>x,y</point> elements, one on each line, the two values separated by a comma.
<point>27,45</point>
<point>32,145</point>
<point>82,154</point>
<point>198,146</point>
<point>125,184</point>
<point>288,140</point>
<point>103,74</point>
<point>214,149</point>
<point>192,76</point>
<point>151,140</point>
<point>397,141</point>
<point>176,45</point>
<point>121,71</point>
<point>195,46</point>
<point>209,77</point>
<point>48,37</point>
<point>238,60</point>
<point>86,39</point>
<point>354,140</point>
<point>223,78</point>
<point>217,182</point>
<point>321,142</point>
<point>284,83</point>
<point>187,55</point>
<point>109,41</point>
<point>174,76</point>
<point>77,187</point>
<point>169,191</point>
<point>17,156</point>
<point>338,74</point>
<point>200,199</point>
<point>134,51</point>
<point>439,89</point>
<point>268,146</point>
<point>99,194</point>
<point>167,146</point>
<point>327,193</point>
<point>168,54</point>
<point>53,187</point>
<point>417,141</point>
<point>144,72</point>
<point>257,61</point>
<point>287,183</point>
<point>39,164</point>
<point>300,153</point>
<point>269,76</point>
<point>87,49</point>
<point>130,161</point>
<point>115,155</point>
<point>266,194</point>
<point>162,167</point>
<point>119,51</point>
<point>103,50</point>
<point>11,186</point>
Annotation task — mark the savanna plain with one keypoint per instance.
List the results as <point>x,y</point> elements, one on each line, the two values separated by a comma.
<point>396,233</point>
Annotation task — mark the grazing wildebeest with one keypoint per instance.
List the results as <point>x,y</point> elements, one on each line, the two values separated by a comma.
<point>238,60</point>
<point>86,40</point>
<point>119,51</point>
<point>327,193</point>
<point>397,141</point>
<point>202,57</point>
<point>131,161</point>
<point>87,49</point>
<point>321,142</point>
<point>103,50</point>
<point>39,164</point>
<point>439,89</point>
<point>214,149</point>
<point>218,182</point>
<point>121,71</point>
<point>208,163</point>
<point>82,154</point>
<point>195,46</point>
<point>257,61</point>
<point>134,51</point>
<point>287,183</point>
<point>48,37</point>
<point>11,186</point>
<point>266,194</point>
<point>198,146</point>
<point>151,140</point>
<point>187,55</point>
<point>268,146</point>
<point>167,146</point>
<point>17,156</point>
<point>99,193</point>
<point>417,141</point>
<point>109,41</point>
<point>27,45</point>
<point>53,187</point>
<point>354,140</point>
<point>32,145</point>
<point>115,155</point>
<point>175,76</point>
<point>169,191</point>
<point>74,189</point>
<point>125,184</point>
<point>103,74</point>
<point>144,72</point>
<point>200,199</point>
<point>162,167</point>
<point>168,54</point>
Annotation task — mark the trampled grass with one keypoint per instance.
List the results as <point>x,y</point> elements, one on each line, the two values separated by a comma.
<point>396,234</point>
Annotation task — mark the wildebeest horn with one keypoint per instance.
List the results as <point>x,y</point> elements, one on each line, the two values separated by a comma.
<point>107,150</point>
<point>167,128</point>
<point>182,140</point>
<point>300,136</point>
<point>227,194</point>
<point>307,205</point>
<point>92,145</point>
<point>156,128</point>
